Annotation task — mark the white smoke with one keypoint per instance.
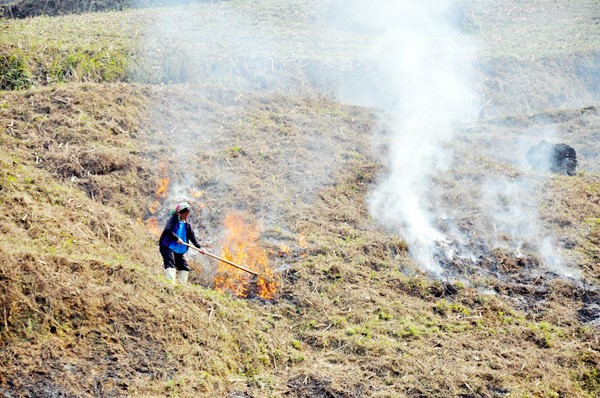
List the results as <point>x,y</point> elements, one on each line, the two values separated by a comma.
<point>422,74</point>
<point>512,202</point>
<point>241,57</point>
<point>425,62</point>
<point>410,58</point>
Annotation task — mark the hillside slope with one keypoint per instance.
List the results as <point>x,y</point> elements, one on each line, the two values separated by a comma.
<point>85,310</point>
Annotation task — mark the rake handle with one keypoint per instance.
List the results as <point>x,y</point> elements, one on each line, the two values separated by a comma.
<point>225,260</point>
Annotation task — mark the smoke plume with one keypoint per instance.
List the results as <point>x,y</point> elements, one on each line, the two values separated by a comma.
<point>411,58</point>
<point>511,203</point>
<point>422,78</point>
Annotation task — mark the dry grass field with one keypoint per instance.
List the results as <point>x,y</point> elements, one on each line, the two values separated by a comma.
<point>107,119</point>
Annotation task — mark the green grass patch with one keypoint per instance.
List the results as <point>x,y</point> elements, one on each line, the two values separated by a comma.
<point>14,71</point>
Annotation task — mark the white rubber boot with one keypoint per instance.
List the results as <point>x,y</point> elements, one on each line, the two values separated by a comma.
<point>170,274</point>
<point>182,277</point>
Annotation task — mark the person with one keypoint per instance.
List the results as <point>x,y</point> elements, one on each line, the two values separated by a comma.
<point>172,248</point>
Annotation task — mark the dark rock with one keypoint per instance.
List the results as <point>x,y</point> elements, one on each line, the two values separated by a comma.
<point>557,158</point>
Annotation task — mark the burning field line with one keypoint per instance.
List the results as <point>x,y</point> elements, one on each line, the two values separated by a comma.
<point>241,245</point>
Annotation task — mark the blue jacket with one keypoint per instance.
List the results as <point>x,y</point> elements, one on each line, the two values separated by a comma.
<point>169,234</point>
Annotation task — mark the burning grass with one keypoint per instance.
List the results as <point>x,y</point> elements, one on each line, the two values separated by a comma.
<point>82,291</point>
<point>361,308</point>
<point>241,245</point>
<point>352,316</point>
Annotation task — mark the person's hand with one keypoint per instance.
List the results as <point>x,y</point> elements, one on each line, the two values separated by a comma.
<point>201,250</point>
<point>179,241</point>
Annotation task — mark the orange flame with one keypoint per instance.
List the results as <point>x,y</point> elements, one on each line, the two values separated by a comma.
<point>163,181</point>
<point>163,186</point>
<point>284,250</point>
<point>195,193</point>
<point>161,192</point>
<point>154,206</point>
<point>302,242</point>
<point>241,246</point>
<point>152,226</point>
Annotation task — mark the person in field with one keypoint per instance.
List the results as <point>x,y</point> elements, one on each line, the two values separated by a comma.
<point>172,248</point>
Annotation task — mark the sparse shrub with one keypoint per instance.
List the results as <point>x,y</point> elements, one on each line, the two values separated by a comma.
<point>105,67</point>
<point>417,286</point>
<point>459,309</point>
<point>55,62</point>
<point>264,359</point>
<point>234,151</point>
<point>384,316</point>
<point>87,64</point>
<point>14,74</point>
<point>590,382</point>
<point>410,331</point>
<point>297,358</point>
<point>441,307</point>
<point>506,319</point>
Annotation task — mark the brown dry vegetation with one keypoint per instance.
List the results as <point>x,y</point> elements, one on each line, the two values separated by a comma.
<point>423,337</point>
<point>85,311</point>
<point>85,134</point>
<point>83,292</point>
<point>32,8</point>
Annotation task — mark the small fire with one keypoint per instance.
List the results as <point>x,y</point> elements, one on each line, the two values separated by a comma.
<point>163,181</point>
<point>195,193</point>
<point>302,242</point>
<point>241,245</point>
<point>154,206</point>
<point>284,250</point>
<point>152,226</point>
<point>163,186</point>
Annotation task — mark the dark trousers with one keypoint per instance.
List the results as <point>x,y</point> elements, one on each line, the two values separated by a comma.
<point>173,260</point>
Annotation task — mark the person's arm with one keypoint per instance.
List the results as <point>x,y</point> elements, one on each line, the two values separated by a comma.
<point>169,229</point>
<point>192,236</point>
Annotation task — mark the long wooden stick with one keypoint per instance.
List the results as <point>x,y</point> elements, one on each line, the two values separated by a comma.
<point>226,261</point>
